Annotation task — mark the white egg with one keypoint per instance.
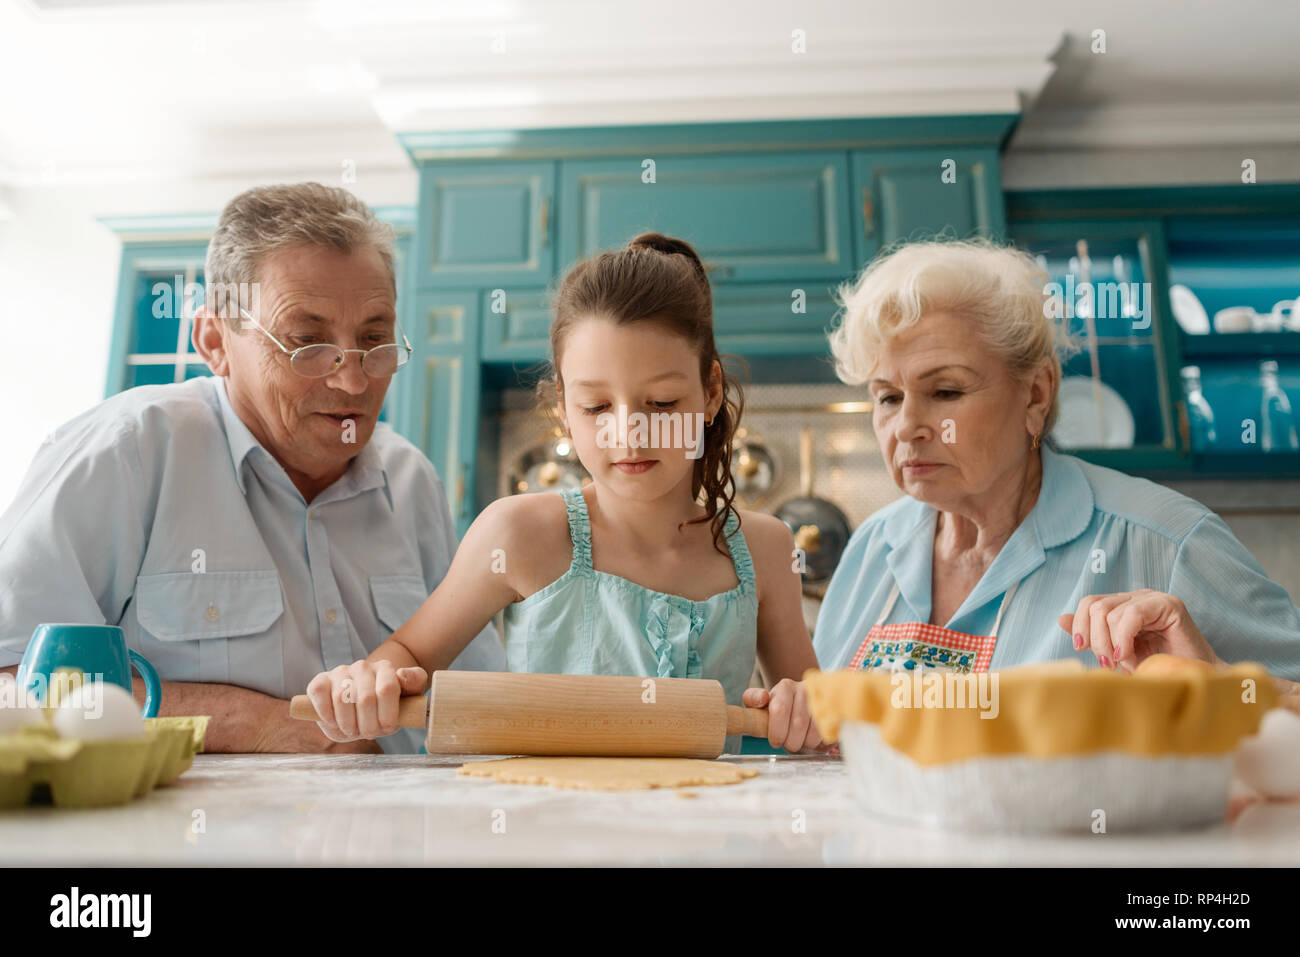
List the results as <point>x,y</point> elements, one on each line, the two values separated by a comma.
<point>1269,762</point>
<point>97,711</point>
<point>18,708</point>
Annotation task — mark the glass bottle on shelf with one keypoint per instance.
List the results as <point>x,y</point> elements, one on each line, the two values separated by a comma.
<point>1277,430</point>
<point>1200,416</point>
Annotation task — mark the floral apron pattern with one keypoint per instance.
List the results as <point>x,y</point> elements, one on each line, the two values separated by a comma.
<point>912,644</point>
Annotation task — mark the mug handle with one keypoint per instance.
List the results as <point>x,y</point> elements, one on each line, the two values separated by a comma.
<point>152,686</point>
<point>1280,308</point>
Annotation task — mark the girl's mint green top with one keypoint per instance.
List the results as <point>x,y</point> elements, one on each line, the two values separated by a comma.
<point>590,622</point>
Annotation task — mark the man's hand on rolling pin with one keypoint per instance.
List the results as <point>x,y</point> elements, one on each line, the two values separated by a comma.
<point>789,723</point>
<point>360,700</point>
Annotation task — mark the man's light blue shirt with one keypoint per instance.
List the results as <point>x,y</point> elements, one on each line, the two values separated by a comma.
<point>157,510</point>
<point>1092,531</point>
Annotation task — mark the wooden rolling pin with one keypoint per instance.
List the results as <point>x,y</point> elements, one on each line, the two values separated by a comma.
<point>488,712</point>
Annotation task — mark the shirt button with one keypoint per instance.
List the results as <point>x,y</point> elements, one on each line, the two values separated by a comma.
<point>212,614</point>
<point>331,616</point>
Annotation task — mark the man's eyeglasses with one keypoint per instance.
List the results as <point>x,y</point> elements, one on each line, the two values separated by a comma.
<point>319,359</point>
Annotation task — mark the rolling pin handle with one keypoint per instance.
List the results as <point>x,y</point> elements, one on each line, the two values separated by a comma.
<point>412,710</point>
<point>750,721</point>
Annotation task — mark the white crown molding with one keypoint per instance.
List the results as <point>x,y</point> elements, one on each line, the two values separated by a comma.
<point>711,110</point>
<point>1144,126</point>
<point>846,75</point>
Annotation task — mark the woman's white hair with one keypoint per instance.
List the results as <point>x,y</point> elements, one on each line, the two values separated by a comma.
<point>1000,289</point>
<point>266,219</point>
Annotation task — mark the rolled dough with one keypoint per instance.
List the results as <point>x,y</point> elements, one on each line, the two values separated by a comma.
<point>609,774</point>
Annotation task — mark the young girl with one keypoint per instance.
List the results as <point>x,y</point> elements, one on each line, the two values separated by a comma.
<point>646,571</point>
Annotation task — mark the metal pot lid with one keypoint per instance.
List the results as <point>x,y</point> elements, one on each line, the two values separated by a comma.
<point>552,466</point>
<point>754,470</point>
<point>820,528</point>
<point>821,532</point>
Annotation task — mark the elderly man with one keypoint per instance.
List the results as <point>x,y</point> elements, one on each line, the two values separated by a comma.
<point>251,529</point>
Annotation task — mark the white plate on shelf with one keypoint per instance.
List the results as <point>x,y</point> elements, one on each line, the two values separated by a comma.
<point>1188,311</point>
<point>1077,426</point>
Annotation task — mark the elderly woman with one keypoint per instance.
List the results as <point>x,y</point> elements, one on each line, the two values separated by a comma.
<point>1003,551</point>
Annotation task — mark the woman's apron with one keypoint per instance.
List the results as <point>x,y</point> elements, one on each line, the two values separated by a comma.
<point>911,644</point>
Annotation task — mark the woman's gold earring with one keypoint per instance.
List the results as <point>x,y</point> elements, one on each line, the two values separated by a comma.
<point>1037,441</point>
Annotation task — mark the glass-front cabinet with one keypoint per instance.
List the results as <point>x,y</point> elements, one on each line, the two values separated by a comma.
<point>1117,396</point>
<point>161,294</point>
<point>1183,301</point>
<point>1234,289</point>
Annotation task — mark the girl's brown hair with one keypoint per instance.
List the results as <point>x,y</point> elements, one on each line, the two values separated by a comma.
<point>656,278</point>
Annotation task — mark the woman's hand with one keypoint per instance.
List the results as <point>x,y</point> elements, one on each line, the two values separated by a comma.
<point>1124,629</point>
<point>789,723</point>
<point>360,700</point>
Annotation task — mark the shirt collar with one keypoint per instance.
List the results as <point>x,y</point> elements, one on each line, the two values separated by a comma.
<point>1065,502</point>
<point>1063,510</point>
<point>365,472</point>
<point>240,439</point>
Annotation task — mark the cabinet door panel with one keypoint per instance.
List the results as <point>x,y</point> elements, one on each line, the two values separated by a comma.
<point>754,217</point>
<point>485,222</point>
<point>516,325</point>
<point>915,194</point>
<point>764,319</point>
<point>761,320</point>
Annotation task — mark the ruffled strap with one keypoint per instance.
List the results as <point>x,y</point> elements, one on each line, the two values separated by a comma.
<point>740,556</point>
<point>579,528</point>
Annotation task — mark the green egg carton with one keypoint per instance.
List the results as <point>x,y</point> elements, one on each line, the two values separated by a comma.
<point>187,733</point>
<point>82,773</point>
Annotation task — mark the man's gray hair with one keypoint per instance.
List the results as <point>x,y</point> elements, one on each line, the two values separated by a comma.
<point>265,219</point>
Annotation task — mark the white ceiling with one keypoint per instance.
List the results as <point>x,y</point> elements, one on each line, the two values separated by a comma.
<point>140,90</point>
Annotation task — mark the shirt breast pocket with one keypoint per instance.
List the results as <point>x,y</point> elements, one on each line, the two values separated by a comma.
<point>397,598</point>
<point>213,627</point>
<point>185,606</point>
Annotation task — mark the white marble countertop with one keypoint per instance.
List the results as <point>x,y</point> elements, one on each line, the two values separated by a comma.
<point>389,809</point>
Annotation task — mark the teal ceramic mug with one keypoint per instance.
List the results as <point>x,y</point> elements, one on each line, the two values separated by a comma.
<point>98,650</point>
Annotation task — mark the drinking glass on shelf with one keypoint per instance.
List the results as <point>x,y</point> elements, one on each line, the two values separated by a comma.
<point>1200,416</point>
<point>1277,428</point>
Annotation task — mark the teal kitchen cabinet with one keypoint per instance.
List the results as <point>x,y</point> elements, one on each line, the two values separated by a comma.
<point>773,320</point>
<point>1231,245</point>
<point>438,401</point>
<point>516,325</point>
<point>1117,311</point>
<point>749,319</point>
<point>751,217</point>
<point>918,193</point>
<point>485,222</point>
<point>159,286</point>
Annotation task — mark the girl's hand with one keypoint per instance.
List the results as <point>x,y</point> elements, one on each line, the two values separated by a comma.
<point>789,723</point>
<point>1125,628</point>
<point>360,700</point>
